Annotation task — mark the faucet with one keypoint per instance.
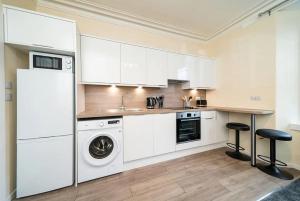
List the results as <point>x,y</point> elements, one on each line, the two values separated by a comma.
<point>122,107</point>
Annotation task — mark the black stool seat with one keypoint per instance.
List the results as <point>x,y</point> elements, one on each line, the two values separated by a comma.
<point>272,168</point>
<point>238,126</point>
<point>274,134</point>
<point>237,154</point>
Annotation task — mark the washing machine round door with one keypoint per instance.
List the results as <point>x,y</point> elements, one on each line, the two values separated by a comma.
<point>101,149</point>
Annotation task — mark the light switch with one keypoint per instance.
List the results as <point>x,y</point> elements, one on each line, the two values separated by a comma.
<point>255,98</point>
<point>8,85</point>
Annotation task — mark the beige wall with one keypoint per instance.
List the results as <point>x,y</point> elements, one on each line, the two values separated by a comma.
<point>246,67</point>
<point>13,59</point>
<point>27,4</point>
<point>3,174</point>
<point>247,62</point>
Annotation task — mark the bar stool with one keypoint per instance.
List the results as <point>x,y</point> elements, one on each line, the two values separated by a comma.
<point>272,168</point>
<point>237,154</point>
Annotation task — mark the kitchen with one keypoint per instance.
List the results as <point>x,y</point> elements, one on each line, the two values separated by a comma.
<point>119,69</point>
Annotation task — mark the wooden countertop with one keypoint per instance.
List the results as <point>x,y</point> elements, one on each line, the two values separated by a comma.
<point>116,112</point>
<point>244,110</point>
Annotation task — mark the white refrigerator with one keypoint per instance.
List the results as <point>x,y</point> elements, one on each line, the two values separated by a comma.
<point>45,130</point>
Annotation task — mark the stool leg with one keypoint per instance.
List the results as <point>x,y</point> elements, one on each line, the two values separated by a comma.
<point>237,140</point>
<point>273,152</point>
<point>272,169</point>
<point>237,154</point>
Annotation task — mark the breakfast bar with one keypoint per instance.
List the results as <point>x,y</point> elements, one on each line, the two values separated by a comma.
<point>253,113</point>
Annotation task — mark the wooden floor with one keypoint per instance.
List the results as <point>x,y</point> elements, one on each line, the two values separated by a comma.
<point>205,176</point>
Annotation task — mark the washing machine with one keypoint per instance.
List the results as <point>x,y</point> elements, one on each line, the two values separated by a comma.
<point>100,148</point>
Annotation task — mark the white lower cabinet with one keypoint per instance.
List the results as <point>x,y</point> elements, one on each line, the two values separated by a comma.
<point>155,134</point>
<point>213,129</point>
<point>164,131</point>
<point>138,137</point>
<point>222,131</point>
<point>148,135</point>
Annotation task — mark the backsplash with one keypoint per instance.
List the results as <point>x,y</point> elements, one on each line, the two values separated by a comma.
<point>104,97</point>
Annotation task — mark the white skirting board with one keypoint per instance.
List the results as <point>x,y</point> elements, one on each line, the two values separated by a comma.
<point>11,196</point>
<point>289,165</point>
<point>169,156</point>
<point>293,165</point>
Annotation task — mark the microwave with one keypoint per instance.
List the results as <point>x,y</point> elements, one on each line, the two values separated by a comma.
<point>42,60</point>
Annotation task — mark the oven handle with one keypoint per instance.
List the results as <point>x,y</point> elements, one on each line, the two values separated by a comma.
<point>194,119</point>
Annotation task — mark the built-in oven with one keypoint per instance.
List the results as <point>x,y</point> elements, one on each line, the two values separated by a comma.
<point>188,126</point>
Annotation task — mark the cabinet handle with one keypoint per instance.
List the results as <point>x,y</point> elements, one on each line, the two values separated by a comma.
<point>45,46</point>
<point>209,118</point>
<point>195,119</point>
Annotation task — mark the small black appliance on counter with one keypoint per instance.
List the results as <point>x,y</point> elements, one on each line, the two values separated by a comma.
<point>151,101</point>
<point>201,102</point>
<point>160,101</point>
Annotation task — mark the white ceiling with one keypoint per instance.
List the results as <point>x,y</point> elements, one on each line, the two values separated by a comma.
<point>202,18</point>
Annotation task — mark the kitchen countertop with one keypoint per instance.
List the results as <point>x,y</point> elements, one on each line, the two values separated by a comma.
<point>116,112</point>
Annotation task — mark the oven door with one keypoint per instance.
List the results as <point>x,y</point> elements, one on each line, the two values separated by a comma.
<point>188,129</point>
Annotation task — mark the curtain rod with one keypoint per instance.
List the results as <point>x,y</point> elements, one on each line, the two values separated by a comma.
<point>270,10</point>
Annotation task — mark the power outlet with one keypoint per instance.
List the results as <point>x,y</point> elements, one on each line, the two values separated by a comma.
<point>8,97</point>
<point>255,98</point>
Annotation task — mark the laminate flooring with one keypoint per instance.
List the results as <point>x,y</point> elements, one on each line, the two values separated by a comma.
<point>206,176</point>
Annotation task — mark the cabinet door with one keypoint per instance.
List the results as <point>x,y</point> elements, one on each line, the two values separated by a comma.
<point>34,29</point>
<point>210,73</point>
<point>133,65</point>
<point>164,130</point>
<point>222,119</point>
<point>207,73</point>
<point>156,68</point>
<point>138,137</point>
<point>191,64</point>
<point>208,127</point>
<point>100,60</point>
<point>177,68</point>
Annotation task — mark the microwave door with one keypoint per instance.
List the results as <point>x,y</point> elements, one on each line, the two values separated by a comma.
<point>47,62</point>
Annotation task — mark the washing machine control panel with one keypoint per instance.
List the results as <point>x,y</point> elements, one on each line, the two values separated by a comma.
<point>113,122</point>
<point>99,123</point>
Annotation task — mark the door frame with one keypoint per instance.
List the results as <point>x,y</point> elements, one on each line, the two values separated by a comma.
<point>3,158</point>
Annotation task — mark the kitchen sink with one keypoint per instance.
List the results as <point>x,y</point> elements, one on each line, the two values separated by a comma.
<point>126,110</point>
<point>134,109</point>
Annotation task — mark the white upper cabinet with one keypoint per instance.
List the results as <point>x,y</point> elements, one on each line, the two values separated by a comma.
<point>207,74</point>
<point>157,68</point>
<point>100,61</point>
<point>133,65</point>
<point>178,67</point>
<point>202,74</point>
<point>37,30</point>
